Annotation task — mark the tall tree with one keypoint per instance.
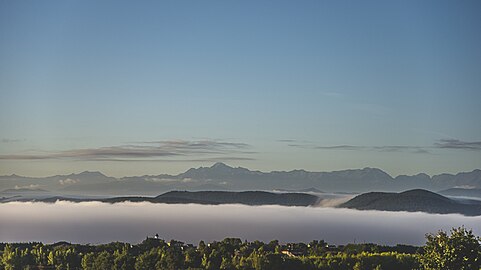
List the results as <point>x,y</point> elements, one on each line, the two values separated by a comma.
<point>148,259</point>
<point>11,258</point>
<point>459,250</point>
<point>123,260</point>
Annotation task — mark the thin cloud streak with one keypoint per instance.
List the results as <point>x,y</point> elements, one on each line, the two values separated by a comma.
<point>180,144</point>
<point>6,140</point>
<point>387,148</point>
<point>287,140</point>
<point>148,151</point>
<point>218,159</point>
<point>457,144</point>
<point>342,147</point>
<point>442,144</point>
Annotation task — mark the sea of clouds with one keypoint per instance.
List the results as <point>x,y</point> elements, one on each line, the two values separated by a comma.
<point>96,222</point>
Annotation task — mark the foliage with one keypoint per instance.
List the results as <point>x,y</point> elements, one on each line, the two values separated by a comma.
<point>459,250</point>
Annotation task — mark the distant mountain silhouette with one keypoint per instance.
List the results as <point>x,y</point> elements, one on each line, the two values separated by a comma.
<point>417,200</point>
<point>206,197</point>
<point>222,177</point>
<point>245,197</point>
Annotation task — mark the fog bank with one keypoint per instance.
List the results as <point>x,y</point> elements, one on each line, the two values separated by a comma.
<point>96,222</point>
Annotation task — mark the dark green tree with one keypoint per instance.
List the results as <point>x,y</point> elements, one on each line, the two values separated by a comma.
<point>193,258</point>
<point>65,257</point>
<point>11,258</point>
<point>148,259</point>
<point>40,254</point>
<point>123,260</point>
<point>213,260</point>
<point>171,259</point>
<point>459,250</point>
<point>103,261</point>
<point>88,261</point>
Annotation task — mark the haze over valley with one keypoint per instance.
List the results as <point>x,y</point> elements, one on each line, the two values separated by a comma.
<point>96,222</point>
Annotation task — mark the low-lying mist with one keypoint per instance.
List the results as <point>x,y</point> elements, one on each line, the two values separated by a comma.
<point>333,201</point>
<point>95,222</point>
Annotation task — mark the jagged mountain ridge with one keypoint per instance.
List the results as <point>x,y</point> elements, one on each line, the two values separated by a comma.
<point>223,177</point>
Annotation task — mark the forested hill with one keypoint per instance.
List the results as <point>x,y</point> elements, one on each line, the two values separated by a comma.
<point>416,200</point>
<point>210,197</point>
<point>246,197</point>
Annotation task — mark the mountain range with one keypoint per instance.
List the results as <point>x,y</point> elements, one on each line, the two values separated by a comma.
<point>222,177</point>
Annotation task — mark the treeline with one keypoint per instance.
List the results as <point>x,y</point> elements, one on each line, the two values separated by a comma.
<point>462,249</point>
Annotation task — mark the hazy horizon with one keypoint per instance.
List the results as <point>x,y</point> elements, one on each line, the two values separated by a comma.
<point>232,166</point>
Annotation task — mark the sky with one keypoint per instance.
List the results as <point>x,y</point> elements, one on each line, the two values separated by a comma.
<point>129,88</point>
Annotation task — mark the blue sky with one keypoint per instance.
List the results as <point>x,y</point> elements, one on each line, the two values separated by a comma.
<point>160,86</point>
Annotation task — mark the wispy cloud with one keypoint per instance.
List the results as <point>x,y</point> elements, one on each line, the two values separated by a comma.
<point>457,144</point>
<point>7,140</point>
<point>342,147</point>
<point>181,159</point>
<point>441,144</point>
<point>421,151</point>
<point>204,145</point>
<point>383,148</point>
<point>147,151</point>
<point>287,140</point>
<point>401,148</point>
<point>294,141</point>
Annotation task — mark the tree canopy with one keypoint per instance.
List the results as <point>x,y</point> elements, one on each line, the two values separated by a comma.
<point>460,249</point>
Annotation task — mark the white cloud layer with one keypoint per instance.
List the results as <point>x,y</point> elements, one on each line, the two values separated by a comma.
<point>95,222</point>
